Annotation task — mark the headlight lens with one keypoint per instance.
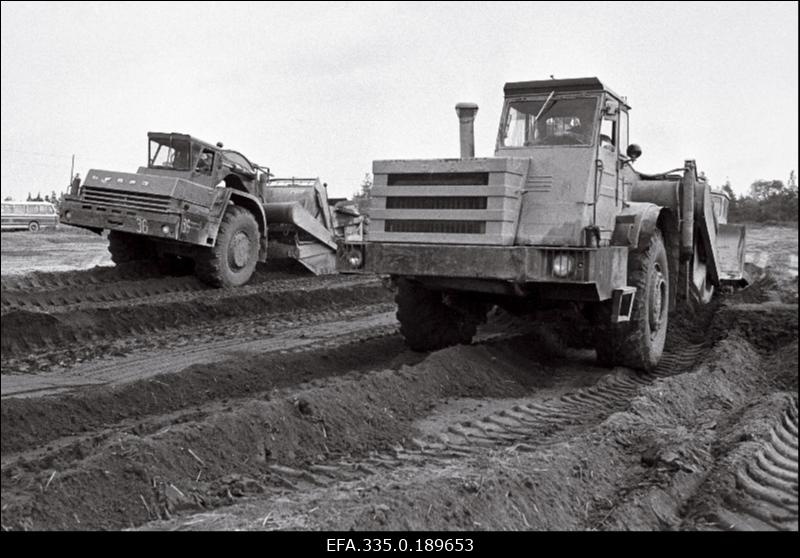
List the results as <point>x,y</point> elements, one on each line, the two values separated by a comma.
<point>354,259</point>
<point>563,265</point>
<point>68,215</point>
<point>165,229</point>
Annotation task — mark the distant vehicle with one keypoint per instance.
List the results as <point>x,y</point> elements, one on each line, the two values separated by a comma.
<point>198,203</point>
<point>30,215</point>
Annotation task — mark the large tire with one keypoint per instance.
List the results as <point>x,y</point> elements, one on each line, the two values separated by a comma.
<point>638,343</point>
<point>232,260</point>
<point>126,247</point>
<point>427,323</point>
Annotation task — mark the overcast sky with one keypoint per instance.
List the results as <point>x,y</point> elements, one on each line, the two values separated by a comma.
<point>323,89</point>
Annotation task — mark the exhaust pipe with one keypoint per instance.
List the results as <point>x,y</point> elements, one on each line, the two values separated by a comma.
<point>466,117</point>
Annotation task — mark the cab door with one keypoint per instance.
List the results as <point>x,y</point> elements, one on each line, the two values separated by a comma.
<point>608,187</point>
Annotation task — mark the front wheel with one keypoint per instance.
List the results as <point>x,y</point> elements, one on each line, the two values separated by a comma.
<point>638,343</point>
<point>33,226</point>
<point>127,247</point>
<point>232,260</point>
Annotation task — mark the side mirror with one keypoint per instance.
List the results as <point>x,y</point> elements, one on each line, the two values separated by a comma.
<point>610,108</point>
<point>634,151</point>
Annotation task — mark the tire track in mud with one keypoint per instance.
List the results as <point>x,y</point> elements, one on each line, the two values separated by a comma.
<point>527,426</point>
<point>311,332</point>
<point>30,333</point>
<point>151,290</point>
<point>336,435</point>
<point>768,481</point>
<point>224,440</point>
<point>45,281</point>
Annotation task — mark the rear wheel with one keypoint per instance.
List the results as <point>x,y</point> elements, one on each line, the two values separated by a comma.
<point>638,343</point>
<point>427,323</point>
<point>33,226</point>
<point>126,247</point>
<point>232,260</point>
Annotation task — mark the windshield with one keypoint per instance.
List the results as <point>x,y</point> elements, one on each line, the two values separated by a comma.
<point>562,122</point>
<point>170,153</point>
<point>239,159</point>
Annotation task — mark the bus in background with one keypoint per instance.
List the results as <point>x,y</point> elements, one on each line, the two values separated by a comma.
<point>30,215</point>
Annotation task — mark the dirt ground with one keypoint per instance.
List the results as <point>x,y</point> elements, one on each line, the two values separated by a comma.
<point>52,249</point>
<point>136,401</point>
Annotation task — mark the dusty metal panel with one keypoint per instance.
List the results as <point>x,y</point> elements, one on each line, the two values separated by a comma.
<point>605,268</point>
<point>731,252</point>
<point>547,85</point>
<point>474,201</point>
<point>704,211</point>
<point>665,193</point>
<point>506,214</point>
<point>136,222</point>
<point>556,198</point>
<point>99,181</point>
<point>483,164</point>
<point>439,190</point>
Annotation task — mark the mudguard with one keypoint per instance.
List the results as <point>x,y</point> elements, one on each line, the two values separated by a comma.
<point>635,225</point>
<point>249,202</point>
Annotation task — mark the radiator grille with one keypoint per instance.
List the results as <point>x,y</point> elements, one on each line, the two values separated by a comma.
<point>129,200</point>
<point>438,179</point>
<point>436,202</point>
<point>446,227</point>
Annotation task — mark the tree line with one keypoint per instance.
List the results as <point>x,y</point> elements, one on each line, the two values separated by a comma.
<point>767,201</point>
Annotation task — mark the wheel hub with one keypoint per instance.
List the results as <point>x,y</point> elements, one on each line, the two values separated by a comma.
<point>240,250</point>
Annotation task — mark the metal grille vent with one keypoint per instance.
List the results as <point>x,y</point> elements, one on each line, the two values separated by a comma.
<point>130,200</point>
<point>436,202</point>
<point>445,227</point>
<point>438,179</point>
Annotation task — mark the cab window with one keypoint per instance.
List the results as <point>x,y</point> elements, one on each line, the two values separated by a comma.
<point>205,162</point>
<point>546,122</point>
<point>608,134</point>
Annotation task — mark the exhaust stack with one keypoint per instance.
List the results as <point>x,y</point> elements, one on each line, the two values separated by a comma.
<point>466,117</point>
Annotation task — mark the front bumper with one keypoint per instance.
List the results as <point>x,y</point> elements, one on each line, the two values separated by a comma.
<point>148,223</point>
<point>595,272</point>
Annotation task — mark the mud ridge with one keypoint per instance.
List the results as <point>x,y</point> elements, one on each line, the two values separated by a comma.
<point>26,332</point>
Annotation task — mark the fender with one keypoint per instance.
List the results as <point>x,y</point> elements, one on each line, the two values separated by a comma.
<point>635,226</point>
<point>249,202</point>
<point>635,219</point>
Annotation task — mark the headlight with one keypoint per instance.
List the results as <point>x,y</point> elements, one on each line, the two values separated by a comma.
<point>354,259</point>
<point>68,215</point>
<point>563,264</point>
<point>165,229</point>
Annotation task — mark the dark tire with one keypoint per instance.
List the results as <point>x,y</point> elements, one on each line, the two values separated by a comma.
<point>126,247</point>
<point>232,260</point>
<point>170,264</point>
<point>638,343</point>
<point>33,226</point>
<point>427,323</point>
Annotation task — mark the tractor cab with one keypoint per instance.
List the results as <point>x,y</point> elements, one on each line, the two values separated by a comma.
<point>181,155</point>
<point>574,132</point>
